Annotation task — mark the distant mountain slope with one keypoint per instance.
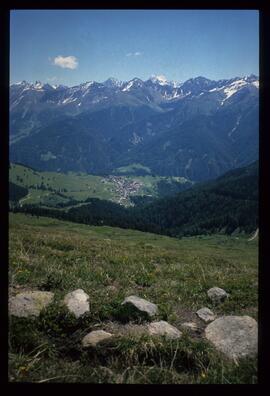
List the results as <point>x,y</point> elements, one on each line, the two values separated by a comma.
<point>198,129</point>
<point>228,204</point>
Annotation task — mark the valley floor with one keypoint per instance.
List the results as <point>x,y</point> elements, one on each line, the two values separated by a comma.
<point>110,264</point>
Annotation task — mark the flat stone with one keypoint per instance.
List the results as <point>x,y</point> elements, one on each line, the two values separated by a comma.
<point>163,328</point>
<point>95,337</point>
<point>190,326</point>
<point>141,305</point>
<point>77,302</point>
<point>206,314</point>
<point>29,303</point>
<point>235,336</point>
<point>217,295</point>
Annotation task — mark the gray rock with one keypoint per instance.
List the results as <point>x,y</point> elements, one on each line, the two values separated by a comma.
<point>190,326</point>
<point>77,302</point>
<point>163,328</point>
<point>95,337</point>
<point>217,295</point>
<point>235,336</point>
<point>206,314</point>
<point>141,305</point>
<point>29,303</point>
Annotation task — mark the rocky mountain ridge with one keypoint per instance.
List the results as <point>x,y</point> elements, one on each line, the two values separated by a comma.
<point>198,129</point>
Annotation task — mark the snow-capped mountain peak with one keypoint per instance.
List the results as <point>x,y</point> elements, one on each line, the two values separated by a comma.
<point>20,83</point>
<point>87,84</point>
<point>59,86</point>
<point>237,85</point>
<point>112,82</point>
<point>135,82</point>
<point>176,84</point>
<point>38,85</point>
<point>251,78</point>
<point>161,79</point>
<point>157,90</point>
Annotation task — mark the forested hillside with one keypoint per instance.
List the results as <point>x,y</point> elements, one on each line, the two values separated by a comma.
<point>16,192</point>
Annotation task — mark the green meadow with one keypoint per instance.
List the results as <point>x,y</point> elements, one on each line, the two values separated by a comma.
<point>110,264</point>
<point>51,188</point>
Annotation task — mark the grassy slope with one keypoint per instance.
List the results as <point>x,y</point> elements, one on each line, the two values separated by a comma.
<point>79,186</point>
<point>175,274</point>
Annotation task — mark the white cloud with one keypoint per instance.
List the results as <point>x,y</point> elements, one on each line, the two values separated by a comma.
<point>138,53</point>
<point>66,62</point>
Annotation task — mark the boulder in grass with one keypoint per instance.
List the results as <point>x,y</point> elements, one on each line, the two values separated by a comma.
<point>235,336</point>
<point>217,295</point>
<point>163,328</point>
<point>206,315</point>
<point>140,305</point>
<point>77,302</point>
<point>29,303</point>
<point>95,337</point>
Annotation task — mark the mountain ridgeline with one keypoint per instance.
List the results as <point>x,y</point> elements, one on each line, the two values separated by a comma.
<point>198,129</point>
<point>228,204</point>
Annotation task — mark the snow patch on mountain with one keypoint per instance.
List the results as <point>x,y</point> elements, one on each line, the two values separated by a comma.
<point>136,138</point>
<point>235,127</point>
<point>112,83</point>
<point>128,86</point>
<point>255,83</point>
<point>215,89</point>
<point>88,84</point>
<point>161,79</point>
<point>69,100</point>
<point>233,88</point>
<point>38,85</point>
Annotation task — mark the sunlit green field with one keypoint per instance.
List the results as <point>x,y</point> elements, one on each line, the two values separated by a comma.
<point>78,186</point>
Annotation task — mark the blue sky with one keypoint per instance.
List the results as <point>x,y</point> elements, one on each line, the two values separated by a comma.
<point>73,46</point>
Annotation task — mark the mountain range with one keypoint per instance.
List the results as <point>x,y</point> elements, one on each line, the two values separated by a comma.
<point>197,129</point>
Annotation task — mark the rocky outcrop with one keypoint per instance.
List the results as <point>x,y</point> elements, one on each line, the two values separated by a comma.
<point>206,314</point>
<point>163,328</point>
<point>77,302</point>
<point>141,305</point>
<point>29,303</point>
<point>235,336</point>
<point>217,295</point>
